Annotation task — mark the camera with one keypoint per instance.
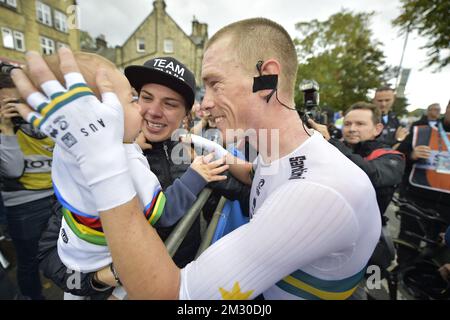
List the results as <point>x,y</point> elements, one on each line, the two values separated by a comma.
<point>310,89</point>
<point>6,68</point>
<point>18,121</point>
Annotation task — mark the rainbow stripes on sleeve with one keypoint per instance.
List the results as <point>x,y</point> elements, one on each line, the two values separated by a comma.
<point>90,229</point>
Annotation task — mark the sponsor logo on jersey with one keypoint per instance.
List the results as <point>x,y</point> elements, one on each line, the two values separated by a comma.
<point>298,167</point>
<point>261,183</point>
<point>37,164</point>
<point>64,235</point>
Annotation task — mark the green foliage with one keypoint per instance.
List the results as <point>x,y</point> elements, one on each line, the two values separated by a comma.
<point>87,41</point>
<point>400,106</point>
<point>418,113</point>
<point>342,57</point>
<point>430,18</point>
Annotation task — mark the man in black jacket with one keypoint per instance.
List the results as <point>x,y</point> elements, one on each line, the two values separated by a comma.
<point>165,103</point>
<point>392,131</point>
<point>383,165</point>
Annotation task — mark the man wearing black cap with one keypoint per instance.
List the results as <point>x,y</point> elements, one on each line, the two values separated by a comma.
<point>166,90</point>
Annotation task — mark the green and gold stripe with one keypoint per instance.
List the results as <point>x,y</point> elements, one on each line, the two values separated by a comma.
<point>59,100</point>
<point>35,121</point>
<point>308,287</point>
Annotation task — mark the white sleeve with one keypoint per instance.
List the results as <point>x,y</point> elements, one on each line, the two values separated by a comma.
<point>297,224</point>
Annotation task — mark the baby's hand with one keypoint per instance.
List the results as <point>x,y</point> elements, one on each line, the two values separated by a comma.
<point>210,171</point>
<point>142,142</point>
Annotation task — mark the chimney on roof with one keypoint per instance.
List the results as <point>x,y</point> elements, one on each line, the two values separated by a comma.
<point>199,30</point>
<point>159,5</point>
<point>100,42</point>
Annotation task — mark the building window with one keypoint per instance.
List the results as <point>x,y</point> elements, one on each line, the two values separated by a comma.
<point>168,46</point>
<point>19,41</point>
<point>140,45</point>
<point>10,3</point>
<point>8,39</point>
<point>13,39</point>
<point>47,45</point>
<point>44,13</point>
<point>60,21</point>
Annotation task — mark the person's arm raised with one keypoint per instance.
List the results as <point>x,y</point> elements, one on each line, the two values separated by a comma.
<point>240,169</point>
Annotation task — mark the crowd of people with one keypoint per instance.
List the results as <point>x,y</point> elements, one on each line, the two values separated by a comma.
<point>106,164</point>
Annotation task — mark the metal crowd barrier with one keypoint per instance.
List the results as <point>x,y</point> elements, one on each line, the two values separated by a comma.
<point>177,236</point>
<point>207,239</point>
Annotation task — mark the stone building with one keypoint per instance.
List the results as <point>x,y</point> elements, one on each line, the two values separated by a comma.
<point>160,35</point>
<point>39,25</point>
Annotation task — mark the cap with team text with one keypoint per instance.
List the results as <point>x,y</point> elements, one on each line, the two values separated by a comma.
<point>166,71</point>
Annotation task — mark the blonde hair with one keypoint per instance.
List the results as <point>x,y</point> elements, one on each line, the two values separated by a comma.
<point>262,39</point>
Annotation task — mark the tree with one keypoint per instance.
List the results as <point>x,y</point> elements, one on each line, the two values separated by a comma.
<point>341,56</point>
<point>87,42</point>
<point>400,106</point>
<point>430,18</point>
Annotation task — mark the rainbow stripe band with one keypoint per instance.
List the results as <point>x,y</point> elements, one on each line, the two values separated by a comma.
<point>96,236</point>
<point>155,209</point>
<point>83,232</point>
<point>308,287</point>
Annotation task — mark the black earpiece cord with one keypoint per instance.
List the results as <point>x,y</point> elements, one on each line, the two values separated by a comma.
<point>289,108</point>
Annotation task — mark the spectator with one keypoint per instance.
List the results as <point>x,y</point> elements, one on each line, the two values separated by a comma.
<point>26,159</point>
<point>432,116</point>
<point>426,179</point>
<point>392,133</point>
<point>384,166</point>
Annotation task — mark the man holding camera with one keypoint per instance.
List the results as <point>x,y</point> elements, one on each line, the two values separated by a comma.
<point>25,168</point>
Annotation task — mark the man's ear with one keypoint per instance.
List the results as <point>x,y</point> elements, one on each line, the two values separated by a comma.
<point>269,67</point>
<point>379,128</point>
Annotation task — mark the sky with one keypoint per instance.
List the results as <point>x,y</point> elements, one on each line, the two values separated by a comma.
<point>117,20</point>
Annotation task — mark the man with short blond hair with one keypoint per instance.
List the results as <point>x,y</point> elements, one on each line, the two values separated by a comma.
<point>266,40</point>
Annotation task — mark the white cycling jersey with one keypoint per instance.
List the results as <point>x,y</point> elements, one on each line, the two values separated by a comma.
<point>82,244</point>
<point>315,223</point>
